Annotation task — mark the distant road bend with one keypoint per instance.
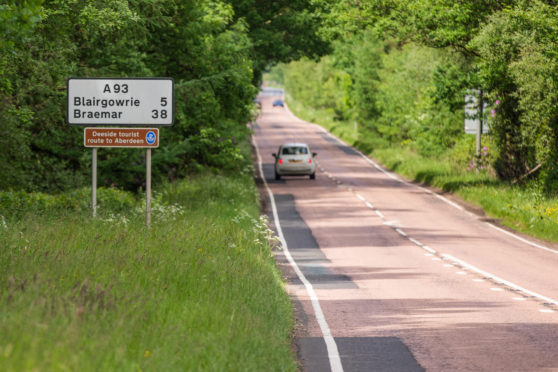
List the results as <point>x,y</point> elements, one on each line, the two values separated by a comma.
<point>388,276</point>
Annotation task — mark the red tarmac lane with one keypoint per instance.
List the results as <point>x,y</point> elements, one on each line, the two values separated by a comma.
<point>407,280</point>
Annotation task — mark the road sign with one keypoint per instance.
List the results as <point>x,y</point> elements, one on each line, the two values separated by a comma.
<point>472,117</point>
<point>120,101</point>
<point>121,137</point>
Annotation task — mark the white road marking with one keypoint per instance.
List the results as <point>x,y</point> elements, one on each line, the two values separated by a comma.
<point>401,232</point>
<point>532,244</point>
<point>546,311</point>
<point>500,280</point>
<point>416,242</point>
<point>444,199</point>
<point>429,249</point>
<point>392,223</point>
<point>332,350</point>
<point>471,267</point>
<point>455,205</point>
<point>496,289</point>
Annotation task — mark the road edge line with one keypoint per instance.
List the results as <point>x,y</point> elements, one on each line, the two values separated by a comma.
<point>499,280</point>
<point>332,350</point>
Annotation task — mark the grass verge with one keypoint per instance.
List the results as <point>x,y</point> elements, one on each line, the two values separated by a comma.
<point>523,208</point>
<point>199,290</point>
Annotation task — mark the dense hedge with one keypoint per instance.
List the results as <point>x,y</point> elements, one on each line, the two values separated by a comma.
<point>505,48</point>
<point>214,50</point>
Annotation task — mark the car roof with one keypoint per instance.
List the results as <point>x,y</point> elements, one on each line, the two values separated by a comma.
<point>294,144</point>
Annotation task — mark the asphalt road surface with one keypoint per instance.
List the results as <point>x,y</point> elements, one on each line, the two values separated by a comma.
<point>386,275</point>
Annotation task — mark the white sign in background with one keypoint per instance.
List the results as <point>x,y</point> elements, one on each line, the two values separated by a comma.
<point>472,120</point>
<point>120,101</point>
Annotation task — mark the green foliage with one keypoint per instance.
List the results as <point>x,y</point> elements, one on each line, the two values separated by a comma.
<point>506,48</point>
<point>199,290</point>
<point>214,50</point>
<point>395,94</point>
<point>18,203</point>
<point>520,67</point>
<point>282,31</point>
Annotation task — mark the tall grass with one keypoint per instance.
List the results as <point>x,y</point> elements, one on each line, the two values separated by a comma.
<point>525,208</point>
<point>199,290</point>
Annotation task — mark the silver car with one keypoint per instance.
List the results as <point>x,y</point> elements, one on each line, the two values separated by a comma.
<point>294,159</point>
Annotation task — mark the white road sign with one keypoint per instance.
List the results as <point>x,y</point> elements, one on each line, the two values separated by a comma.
<point>120,101</point>
<point>472,120</point>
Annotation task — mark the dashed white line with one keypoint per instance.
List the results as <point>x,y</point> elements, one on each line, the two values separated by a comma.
<point>465,265</point>
<point>446,256</point>
<point>401,232</point>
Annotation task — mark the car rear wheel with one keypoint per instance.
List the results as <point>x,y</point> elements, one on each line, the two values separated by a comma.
<point>277,176</point>
<point>313,176</point>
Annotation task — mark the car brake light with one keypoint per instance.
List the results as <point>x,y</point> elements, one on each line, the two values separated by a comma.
<point>280,161</point>
<point>310,161</point>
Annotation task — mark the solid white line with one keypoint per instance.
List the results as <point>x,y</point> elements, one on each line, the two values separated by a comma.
<point>500,280</point>
<point>523,240</point>
<point>332,351</point>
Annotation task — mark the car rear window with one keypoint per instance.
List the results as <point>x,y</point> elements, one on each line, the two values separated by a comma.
<point>295,150</point>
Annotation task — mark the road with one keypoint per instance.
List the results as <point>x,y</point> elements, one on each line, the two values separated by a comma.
<point>386,275</point>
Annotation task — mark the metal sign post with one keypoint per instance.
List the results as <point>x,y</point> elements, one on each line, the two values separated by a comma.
<point>122,137</point>
<point>479,127</point>
<point>94,182</point>
<point>148,187</point>
<point>475,121</point>
<point>122,102</point>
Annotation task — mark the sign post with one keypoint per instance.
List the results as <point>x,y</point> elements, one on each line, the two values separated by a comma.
<point>148,187</point>
<point>475,122</point>
<point>122,102</point>
<point>94,182</point>
<point>147,138</point>
<point>479,126</point>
